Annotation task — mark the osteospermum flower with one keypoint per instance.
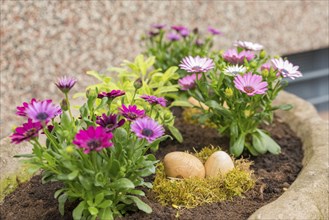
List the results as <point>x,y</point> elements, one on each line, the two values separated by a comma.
<point>214,31</point>
<point>196,64</point>
<point>147,128</point>
<point>153,100</point>
<point>41,111</point>
<point>111,95</point>
<point>266,66</point>
<point>286,69</point>
<point>65,83</point>
<point>250,84</point>
<point>188,82</point>
<point>28,131</point>
<point>158,26</point>
<point>179,28</point>
<point>21,110</point>
<point>232,56</point>
<point>248,45</point>
<point>234,70</point>
<point>173,37</point>
<point>93,139</point>
<point>110,123</point>
<point>131,112</point>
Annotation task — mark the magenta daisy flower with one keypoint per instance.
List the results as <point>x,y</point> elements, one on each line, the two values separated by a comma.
<point>286,69</point>
<point>110,123</point>
<point>158,26</point>
<point>248,45</point>
<point>266,66</point>
<point>153,100</point>
<point>94,138</point>
<point>111,95</point>
<point>131,112</point>
<point>147,128</point>
<point>188,82</point>
<point>214,31</point>
<point>42,111</point>
<point>28,131</point>
<point>196,64</point>
<point>173,37</point>
<point>65,83</point>
<point>232,56</point>
<point>250,84</point>
<point>21,110</point>
<point>179,28</point>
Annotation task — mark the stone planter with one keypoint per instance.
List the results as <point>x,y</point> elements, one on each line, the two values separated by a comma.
<point>306,198</point>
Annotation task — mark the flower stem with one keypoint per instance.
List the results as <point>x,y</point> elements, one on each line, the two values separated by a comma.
<point>68,105</point>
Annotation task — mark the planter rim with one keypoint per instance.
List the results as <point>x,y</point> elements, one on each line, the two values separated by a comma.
<point>307,197</point>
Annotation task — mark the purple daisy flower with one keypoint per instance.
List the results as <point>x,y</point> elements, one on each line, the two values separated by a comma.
<point>28,131</point>
<point>199,42</point>
<point>65,83</point>
<point>158,26</point>
<point>110,123</point>
<point>188,82</point>
<point>153,100</point>
<point>21,110</point>
<point>250,84</point>
<point>232,56</point>
<point>196,64</point>
<point>111,95</point>
<point>178,28</point>
<point>94,138</point>
<point>42,111</point>
<point>131,112</point>
<point>184,32</point>
<point>266,66</point>
<point>147,128</point>
<point>173,37</point>
<point>286,69</point>
<point>214,31</point>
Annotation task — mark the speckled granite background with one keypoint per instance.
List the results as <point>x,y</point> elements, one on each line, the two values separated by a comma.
<point>41,40</point>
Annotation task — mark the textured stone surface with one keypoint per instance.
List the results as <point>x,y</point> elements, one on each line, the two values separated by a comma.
<point>41,40</point>
<point>307,197</point>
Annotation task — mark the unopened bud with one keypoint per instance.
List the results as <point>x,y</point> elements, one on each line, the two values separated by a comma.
<point>69,149</point>
<point>265,73</point>
<point>64,105</point>
<point>138,83</point>
<point>228,92</point>
<point>247,113</point>
<point>262,54</point>
<point>253,64</point>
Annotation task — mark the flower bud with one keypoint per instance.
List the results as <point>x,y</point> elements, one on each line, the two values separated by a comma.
<point>247,113</point>
<point>262,54</point>
<point>253,64</point>
<point>228,92</point>
<point>64,105</point>
<point>265,73</point>
<point>69,149</point>
<point>138,83</point>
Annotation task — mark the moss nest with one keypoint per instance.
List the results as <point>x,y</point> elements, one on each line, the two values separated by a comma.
<point>193,192</point>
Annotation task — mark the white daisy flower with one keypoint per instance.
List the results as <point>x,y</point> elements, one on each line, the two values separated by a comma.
<point>234,70</point>
<point>286,69</point>
<point>248,45</point>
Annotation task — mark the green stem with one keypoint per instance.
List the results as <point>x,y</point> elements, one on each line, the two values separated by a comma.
<point>50,137</point>
<point>132,100</point>
<point>68,105</point>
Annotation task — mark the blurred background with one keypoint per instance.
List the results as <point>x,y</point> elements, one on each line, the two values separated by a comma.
<point>43,40</point>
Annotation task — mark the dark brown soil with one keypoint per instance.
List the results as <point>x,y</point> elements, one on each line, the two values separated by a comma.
<point>35,201</point>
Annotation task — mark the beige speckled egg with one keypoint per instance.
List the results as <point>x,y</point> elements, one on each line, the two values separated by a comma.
<point>183,165</point>
<point>218,163</point>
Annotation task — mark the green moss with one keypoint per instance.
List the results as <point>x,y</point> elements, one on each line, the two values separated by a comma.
<point>9,183</point>
<point>193,192</point>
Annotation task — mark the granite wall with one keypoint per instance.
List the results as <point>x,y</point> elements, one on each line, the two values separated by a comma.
<point>41,40</point>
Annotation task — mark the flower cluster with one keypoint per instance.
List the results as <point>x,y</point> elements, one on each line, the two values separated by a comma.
<point>103,150</point>
<point>237,91</point>
<point>170,44</point>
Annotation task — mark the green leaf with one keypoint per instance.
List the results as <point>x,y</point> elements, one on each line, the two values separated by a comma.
<point>175,132</point>
<point>284,107</point>
<point>120,134</point>
<point>105,214</point>
<point>123,183</point>
<point>73,175</point>
<point>77,212</point>
<point>95,74</point>
<point>215,105</point>
<point>65,120</point>
<point>258,144</point>
<point>272,146</point>
<point>105,204</point>
<point>237,147</point>
<point>99,198</point>
<point>141,205</point>
<point>58,192</point>
<point>93,210</point>
<point>61,203</point>
<point>181,103</point>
